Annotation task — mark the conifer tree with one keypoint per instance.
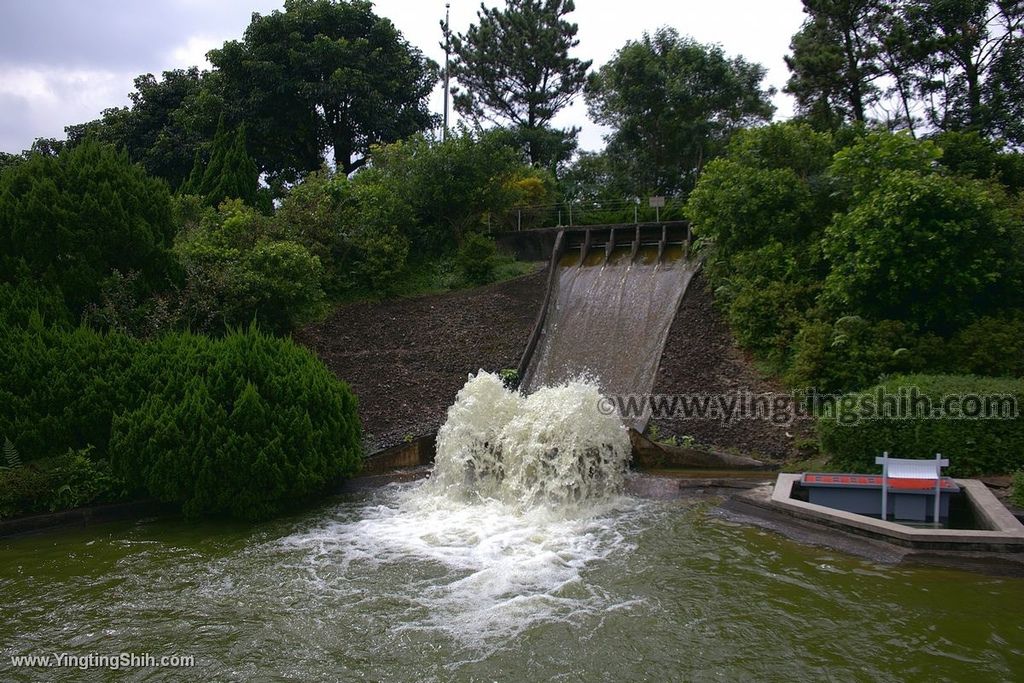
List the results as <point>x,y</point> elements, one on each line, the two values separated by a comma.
<point>516,69</point>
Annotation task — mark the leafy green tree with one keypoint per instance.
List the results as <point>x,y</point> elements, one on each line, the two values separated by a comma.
<point>765,205</point>
<point>246,273</point>
<point>594,178</point>
<point>515,66</point>
<point>73,219</point>
<point>7,160</point>
<point>451,187</point>
<point>324,74</point>
<point>672,104</point>
<point>168,123</point>
<point>230,174</point>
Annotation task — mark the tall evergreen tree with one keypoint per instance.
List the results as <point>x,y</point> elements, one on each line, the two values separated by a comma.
<point>951,64</point>
<point>230,173</point>
<point>834,60</point>
<point>515,67</point>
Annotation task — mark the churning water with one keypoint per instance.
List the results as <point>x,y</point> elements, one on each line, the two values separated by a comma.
<point>519,559</point>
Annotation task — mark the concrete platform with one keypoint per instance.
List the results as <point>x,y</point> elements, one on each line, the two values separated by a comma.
<point>1003,533</point>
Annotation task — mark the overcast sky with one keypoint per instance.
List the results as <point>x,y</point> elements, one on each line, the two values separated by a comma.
<point>65,61</point>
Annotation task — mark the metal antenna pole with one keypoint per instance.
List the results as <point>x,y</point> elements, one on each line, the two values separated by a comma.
<point>447,66</point>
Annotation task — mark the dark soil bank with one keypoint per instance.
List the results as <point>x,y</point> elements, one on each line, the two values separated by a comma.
<point>407,358</point>
<point>701,359</point>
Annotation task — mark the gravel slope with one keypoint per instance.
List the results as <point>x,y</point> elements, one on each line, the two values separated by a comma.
<point>407,358</point>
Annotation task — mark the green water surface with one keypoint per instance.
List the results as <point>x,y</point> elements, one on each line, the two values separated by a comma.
<point>674,592</point>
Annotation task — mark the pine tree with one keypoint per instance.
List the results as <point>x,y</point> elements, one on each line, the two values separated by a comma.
<point>231,172</point>
<point>516,68</point>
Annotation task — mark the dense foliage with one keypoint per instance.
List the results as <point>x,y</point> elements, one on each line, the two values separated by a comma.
<point>62,482</point>
<point>245,426</point>
<point>839,259</point>
<point>244,272</point>
<point>68,221</point>
<point>973,446</point>
<point>60,387</point>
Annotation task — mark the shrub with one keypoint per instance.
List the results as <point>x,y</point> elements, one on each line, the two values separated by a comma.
<point>59,388</point>
<point>73,218</point>
<point>859,168</point>
<point>449,186</point>
<point>1017,494</point>
<point>245,426</point>
<point>743,207</point>
<point>767,293</point>
<point>853,353</point>
<point>61,483</point>
<point>927,249</point>
<point>20,300</point>
<point>990,346</point>
<point>378,258</point>
<point>477,259</point>
<point>973,446</point>
<point>233,260</point>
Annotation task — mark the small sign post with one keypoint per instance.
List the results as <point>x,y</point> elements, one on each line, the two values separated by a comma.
<point>657,203</point>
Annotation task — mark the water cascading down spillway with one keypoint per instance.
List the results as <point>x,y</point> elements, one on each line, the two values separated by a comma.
<point>612,302</point>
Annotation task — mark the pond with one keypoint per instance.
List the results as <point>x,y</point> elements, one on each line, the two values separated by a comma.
<point>399,584</point>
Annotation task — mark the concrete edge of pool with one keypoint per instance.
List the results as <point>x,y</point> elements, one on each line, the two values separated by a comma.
<point>998,549</point>
<point>1004,533</point>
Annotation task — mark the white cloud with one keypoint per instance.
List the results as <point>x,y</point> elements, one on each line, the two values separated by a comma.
<point>48,99</point>
<point>193,51</point>
<point>40,98</point>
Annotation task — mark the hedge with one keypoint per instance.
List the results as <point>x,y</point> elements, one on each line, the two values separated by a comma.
<point>973,446</point>
<point>244,426</point>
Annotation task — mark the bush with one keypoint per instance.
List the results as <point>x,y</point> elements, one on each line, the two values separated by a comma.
<point>927,249</point>
<point>72,219</point>
<point>245,426</point>
<point>767,293</point>
<point>236,266</point>
<point>1017,494</point>
<point>973,446</point>
<point>61,483</point>
<point>477,259</point>
<point>853,353</point>
<point>743,207</point>
<point>20,300</point>
<point>449,187</point>
<point>241,426</point>
<point>59,388</point>
<point>990,346</point>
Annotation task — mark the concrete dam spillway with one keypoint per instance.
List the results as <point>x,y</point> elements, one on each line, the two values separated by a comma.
<point>609,309</point>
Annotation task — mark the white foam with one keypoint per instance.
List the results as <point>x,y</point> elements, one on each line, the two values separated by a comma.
<point>524,495</point>
<point>553,448</point>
